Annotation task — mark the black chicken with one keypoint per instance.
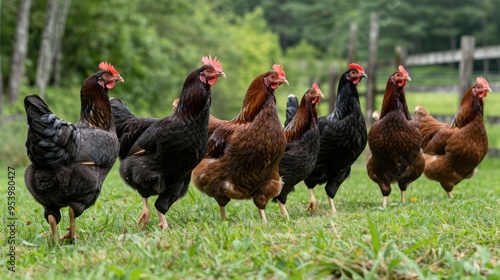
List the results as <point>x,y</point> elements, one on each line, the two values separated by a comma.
<point>69,162</point>
<point>302,147</point>
<point>343,138</point>
<point>158,155</point>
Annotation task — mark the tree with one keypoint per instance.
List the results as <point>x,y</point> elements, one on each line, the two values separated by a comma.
<point>59,34</point>
<point>46,53</point>
<point>20,50</point>
<point>51,41</point>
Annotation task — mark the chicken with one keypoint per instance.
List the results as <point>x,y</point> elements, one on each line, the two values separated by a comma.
<point>302,147</point>
<point>174,104</point>
<point>243,153</point>
<point>453,151</point>
<point>342,138</point>
<point>395,140</point>
<point>70,162</point>
<point>158,155</point>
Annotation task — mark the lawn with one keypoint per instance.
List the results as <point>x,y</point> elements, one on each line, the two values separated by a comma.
<point>427,237</point>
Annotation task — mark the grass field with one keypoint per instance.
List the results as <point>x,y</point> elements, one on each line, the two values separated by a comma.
<point>427,237</point>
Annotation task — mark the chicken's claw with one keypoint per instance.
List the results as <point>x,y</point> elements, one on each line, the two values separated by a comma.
<point>163,222</point>
<point>144,218</point>
<point>311,206</point>
<point>312,202</point>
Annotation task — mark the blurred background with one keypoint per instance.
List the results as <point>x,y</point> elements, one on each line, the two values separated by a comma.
<point>49,47</point>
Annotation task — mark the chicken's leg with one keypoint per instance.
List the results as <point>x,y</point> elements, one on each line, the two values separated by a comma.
<point>312,202</point>
<point>263,215</point>
<point>450,196</point>
<point>71,230</point>
<point>332,206</point>
<point>403,197</point>
<point>222,212</point>
<point>163,222</point>
<point>283,210</point>
<point>53,226</point>
<point>384,204</point>
<point>144,218</point>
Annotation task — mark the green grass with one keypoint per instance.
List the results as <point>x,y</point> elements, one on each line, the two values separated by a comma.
<point>427,237</point>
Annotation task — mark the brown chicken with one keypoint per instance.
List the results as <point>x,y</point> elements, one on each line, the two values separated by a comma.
<point>395,140</point>
<point>453,151</point>
<point>243,154</point>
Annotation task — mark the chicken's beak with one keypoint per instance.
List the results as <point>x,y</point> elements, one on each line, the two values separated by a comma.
<point>285,81</point>
<point>408,78</point>
<point>221,74</point>
<point>364,75</point>
<point>119,78</point>
<point>486,91</point>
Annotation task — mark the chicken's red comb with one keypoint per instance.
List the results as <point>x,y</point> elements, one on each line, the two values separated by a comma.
<point>403,70</point>
<point>207,60</point>
<point>482,81</point>
<point>108,67</point>
<point>357,67</point>
<point>279,69</point>
<point>316,87</point>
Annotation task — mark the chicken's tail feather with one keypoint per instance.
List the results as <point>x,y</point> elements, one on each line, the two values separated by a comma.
<point>420,113</point>
<point>292,104</point>
<point>121,113</point>
<point>51,141</point>
<point>128,126</point>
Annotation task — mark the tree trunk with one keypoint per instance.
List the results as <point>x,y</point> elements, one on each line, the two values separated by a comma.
<point>1,93</point>
<point>60,27</point>
<point>20,50</point>
<point>45,57</point>
<point>372,67</point>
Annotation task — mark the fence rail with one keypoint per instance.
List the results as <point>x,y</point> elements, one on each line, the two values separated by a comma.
<point>450,56</point>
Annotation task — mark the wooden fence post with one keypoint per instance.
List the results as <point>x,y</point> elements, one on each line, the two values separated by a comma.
<point>467,44</point>
<point>353,30</point>
<point>332,97</point>
<point>401,53</point>
<point>372,66</point>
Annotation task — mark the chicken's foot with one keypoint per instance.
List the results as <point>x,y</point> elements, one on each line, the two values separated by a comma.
<point>333,210</point>
<point>163,221</point>
<point>144,218</point>
<point>283,210</point>
<point>71,234</point>
<point>312,202</point>
<point>263,215</point>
